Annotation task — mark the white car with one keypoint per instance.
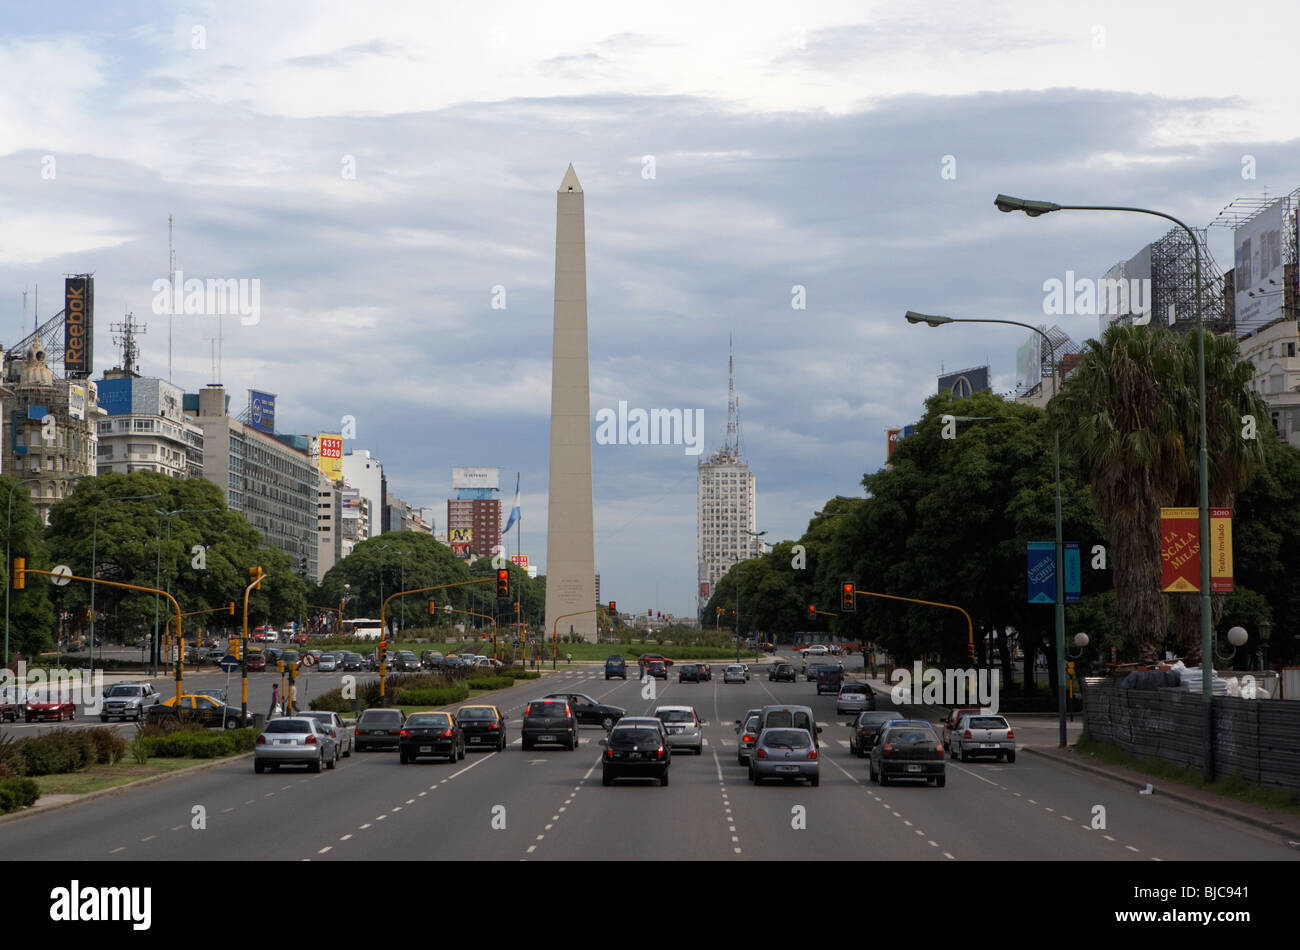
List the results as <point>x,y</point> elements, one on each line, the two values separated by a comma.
<point>817,649</point>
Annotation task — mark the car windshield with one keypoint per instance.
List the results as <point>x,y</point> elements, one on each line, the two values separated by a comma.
<point>431,721</point>
<point>288,725</point>
<point>125,690</point>
<point>318,716</point>
<point>986,722</point>
<point>675,715</point>
<point>735,669</point>
<point>634,737</point>
<point>381,715</point>
<point>786,739</point>
<point>910,736</point>
<point>546,709</point>
<point>784,667</point>
<point>853,688</point>
<point>477,714</point>
<point>614,659</point>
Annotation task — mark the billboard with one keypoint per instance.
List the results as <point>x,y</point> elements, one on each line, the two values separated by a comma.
<point>77,402</point>
<point>1029,363</point>
<point>329,455</point>
<point>965,382</point>
<point>1220,550</point>
<point>892,438</point>
<point>115,395</point>
<point>261,411</point>
<point>350,498</point>
<point>1258,268</point>
<point>78,326</point>
<point>467,477</point>
<point>520,559</point>
<point>461,539</point>
<point>1180,550</point>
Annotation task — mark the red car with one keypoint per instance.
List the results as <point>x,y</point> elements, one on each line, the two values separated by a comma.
<point>645,659</point>
<point>256,662</point>
<point>47,708</point>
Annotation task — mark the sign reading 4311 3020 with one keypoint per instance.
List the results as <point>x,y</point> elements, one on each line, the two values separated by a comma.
<point>78,325</point>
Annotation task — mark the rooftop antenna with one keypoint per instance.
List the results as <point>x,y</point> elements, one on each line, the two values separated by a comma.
<point>24,310</point>
<point>732,446</point>
<point>125,338</point>
<point>171,307</point>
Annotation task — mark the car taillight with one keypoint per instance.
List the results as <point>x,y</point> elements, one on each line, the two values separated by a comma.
<point>761,753</point>
<point>749,737</point>
<point>812,754</point>
<point>609,753</point>
<point>445,734</point>
<point>886,749</point>
<point>494,725</point>
<point>940,748</point>
<point>1011,733</point>
<point>661,752</point>
<point>361,732</point>
<point>966,734</point>
<point>261,740</point>
<point>310,740</point>
<point>405,733</point>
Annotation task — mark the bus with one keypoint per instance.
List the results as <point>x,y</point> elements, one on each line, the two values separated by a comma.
<point>362,627</point>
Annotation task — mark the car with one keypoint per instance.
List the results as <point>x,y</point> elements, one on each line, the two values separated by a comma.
<point>549,722</point>
<point>615,666</point>
<point>909,750</point>
<point>785,753</point>
<point>405,661</point>
<point>789,717</point>
<point>767,647</point>
<point>656,669</point>
<point>645,721</point>
<point>836,649</point>
<point>273,655</point>
<point>201,709</point>
<point>345,730</point>
<point>706,671</point>
<point>327,663</point>
<point>830,679</point>
<point>256,662</point>
<point>483,727</point>
<point>635,750</point>
<point>816,649</point>
<point>745,744</point>
<point>589,712</point>
<point>740,723</point>
<point>853,698</point>
<point>128,701</point>
<point>13,703</point>
<point>41,706</point>
<point>379,728</point>
<point>431,659</point>
<point>684,726</point>
<point>782,673</point>
<point>734,673</point>
<point>295,740</point>
<point>290,656</point>
<point>950,722</point>
<point>688,673</point>
<point>866,729</point>
<point>352,662</point>
<point>431,733</point>
<point>812,669</point>
<point>983,734</point>
<point>645,659</point>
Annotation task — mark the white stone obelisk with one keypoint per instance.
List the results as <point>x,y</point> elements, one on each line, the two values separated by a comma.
<point>570,531</point>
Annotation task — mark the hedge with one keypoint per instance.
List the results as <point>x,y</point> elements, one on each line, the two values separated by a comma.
<point>436,696</point>
<point>492,682</point>
<point>56,752</point>
<point>16,793</point>
<point>201,745</point>
<point>109,746</point>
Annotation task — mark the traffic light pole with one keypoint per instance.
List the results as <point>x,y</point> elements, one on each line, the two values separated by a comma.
<point>258,577</point>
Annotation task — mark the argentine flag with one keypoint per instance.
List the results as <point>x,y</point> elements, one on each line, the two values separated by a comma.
<point>514,512</point>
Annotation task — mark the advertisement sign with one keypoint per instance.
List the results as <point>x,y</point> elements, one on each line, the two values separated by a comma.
<point>1221,550</point>
<point>1073,587</point>
<point>78,326</point>
<point>77,402</point>
<point>461,539</point>
<point>704,590</point>
<point>261,411</point>
<point>1042,572</point>
<point>965,382</point>
<point>329,458</point>
<point>520,559</point>
<point>468,477</point>
<point>115,395</point>
<point>1180,550</point>
<point>891,442</point>
<point>1029,363</point>
<point>350,498</point>
<point>1258,270</point>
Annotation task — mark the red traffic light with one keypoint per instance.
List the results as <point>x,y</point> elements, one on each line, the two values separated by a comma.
<point>503,582</point>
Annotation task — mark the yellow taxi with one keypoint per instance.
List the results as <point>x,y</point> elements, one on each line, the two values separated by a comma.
<point>483,727</point>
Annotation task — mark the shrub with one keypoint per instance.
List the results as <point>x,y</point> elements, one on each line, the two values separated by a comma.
<point>200,744</point>
<point>491,682</point>
<point>437,696</point>
<point>16,793</point>
<point>57,752</point>
<point>109,746</point>
<point>139,747</point>
<point>515,673</point>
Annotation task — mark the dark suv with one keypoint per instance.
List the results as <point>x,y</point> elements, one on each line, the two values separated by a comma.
<point>635,751</point>
<point>829,679</point>
<point>615,666</point>
<point>379,728</point>
<point>688,673</point>
<point>782,673</point>
<point>549,722</point>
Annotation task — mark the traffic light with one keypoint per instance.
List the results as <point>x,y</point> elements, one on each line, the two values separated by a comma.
<point>234,648</point>
<point>812,610</point>
<point>433,609</point>
<point>503,582</point>
<point>613,609</point>
<point>846,598</point>
<point>232,608</point>
<point>255,573</point>
<point>1069,667</point>
<point>650,612</point>
<point>20,575</point>
<point>383,651</point>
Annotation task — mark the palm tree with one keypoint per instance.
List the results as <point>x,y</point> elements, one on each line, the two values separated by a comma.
<point>1123,414</point>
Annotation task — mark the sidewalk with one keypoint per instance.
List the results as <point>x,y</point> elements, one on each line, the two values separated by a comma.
<point>1279,822</point>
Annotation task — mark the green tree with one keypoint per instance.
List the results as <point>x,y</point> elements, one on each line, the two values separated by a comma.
<point>31,613</point>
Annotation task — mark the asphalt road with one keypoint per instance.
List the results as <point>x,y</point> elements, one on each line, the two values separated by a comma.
<point>549,804</point>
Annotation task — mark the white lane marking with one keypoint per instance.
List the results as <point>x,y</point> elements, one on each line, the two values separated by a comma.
<point>422,794</point>
<point>150,838</point>
<point>115,850</point>
<point>1108,837</point>
<point>1031,801</point>
<point>327,847</point>
<point>398,808</point>
<point>250,801</point>
<point>906,822</point>
<point>978,776</point>
<point>1156,859</point>
<point>932,844</point>
<point>949,856</point>
<point>540,837</point>
<point>381,817</point>
<point>345,837</point>
<point>532,848</point>
<point>178,828</point>
<point>410,801</point>
<point>364,827</point>
<point>1133,849</point>
<point>548,828</point>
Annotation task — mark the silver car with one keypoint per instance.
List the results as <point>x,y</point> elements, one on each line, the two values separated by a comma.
<point>854,698</point>
<point>785,753</point>
<point>327,663</point>
<point>344,730</point>
<point>745,744</point>
<point>295,740</point>
<point>983,735</point>
<point>684,727</point>
<point>734,673</point>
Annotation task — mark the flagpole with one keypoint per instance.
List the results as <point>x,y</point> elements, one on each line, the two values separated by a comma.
<point>519,550</point>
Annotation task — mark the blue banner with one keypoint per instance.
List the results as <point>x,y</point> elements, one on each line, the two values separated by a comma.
<point>1042,572</point>
<point>1073,588</point>
<point>261,411</point>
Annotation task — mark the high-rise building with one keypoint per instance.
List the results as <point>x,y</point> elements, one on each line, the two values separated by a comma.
<point>366,474</point>
<point>1274,350</point>
<point>329,524</point>
<point>146,429</point>
<point>474,515</point>
<point>725,505</point>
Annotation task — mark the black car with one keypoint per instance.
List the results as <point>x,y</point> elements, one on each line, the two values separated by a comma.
<point>615,666</point>
<point>431,659</point>
<point>549,722</point>
<point>706,671</point>
<point>203,710</point>
<point>635,751</point>
<point>379,728</point>
<point>483,727</point>
<point>431,734</point>
<point>589,712</point>
<point>404,661</point>
<point>782,673</point>
<point>829,679</point>
<point>352,662</point>
<point>658,669</point>
<point>908,750</point>
<point>866,728</point>
<point>688,673</point>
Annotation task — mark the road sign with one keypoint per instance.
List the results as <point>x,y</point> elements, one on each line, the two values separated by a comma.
<point>308,660</point>
<point>61,575</point>
<point>228,663</point>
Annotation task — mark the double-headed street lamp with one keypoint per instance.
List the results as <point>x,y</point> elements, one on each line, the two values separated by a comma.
<point>1036,208</point>
<point>938,321</point>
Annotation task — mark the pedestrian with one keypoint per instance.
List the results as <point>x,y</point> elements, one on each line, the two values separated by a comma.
<point>275,700</point>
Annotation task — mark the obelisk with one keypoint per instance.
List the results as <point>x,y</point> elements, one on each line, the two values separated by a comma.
<point>570,531</point>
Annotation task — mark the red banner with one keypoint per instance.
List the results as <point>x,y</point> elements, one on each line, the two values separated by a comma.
<point>1180,550</point>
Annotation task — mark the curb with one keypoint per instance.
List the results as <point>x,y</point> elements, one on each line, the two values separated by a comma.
<point>33,811</point>
<point>1293,832</point>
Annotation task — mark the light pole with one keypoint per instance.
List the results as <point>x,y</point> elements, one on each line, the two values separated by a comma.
<point>386,547</point>
<point>9,530</point>
<point>937,321</point>
<point>157,577</point>
<point>94,563</point>
<point>1034,209</point>
<point>752,534</point>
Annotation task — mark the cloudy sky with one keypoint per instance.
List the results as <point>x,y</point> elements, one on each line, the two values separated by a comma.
<point>381,168</point>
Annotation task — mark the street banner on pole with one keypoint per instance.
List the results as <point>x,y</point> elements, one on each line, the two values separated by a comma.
<point>1042,572</point>
<point>1221,550</point>
<point>1180,550</point>
<point>1073,585</point>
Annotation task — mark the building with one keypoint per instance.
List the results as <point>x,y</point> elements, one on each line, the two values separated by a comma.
<point>329,525</point>
<point>146,429</point>
<point>273,482</point>
<point>474,515</point>
<point>53,428</point>
<point>1273,351</point>
<point>403,517</point>
<point>366,474</point>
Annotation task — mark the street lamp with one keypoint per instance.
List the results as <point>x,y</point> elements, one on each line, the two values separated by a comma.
<point>1008,204</point>
<point>94,564</point>
<point>936,321</point>
<point>1265,631</point>
<point>1237,637</point>
<point>752,534</point>
<point>157,577</point>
